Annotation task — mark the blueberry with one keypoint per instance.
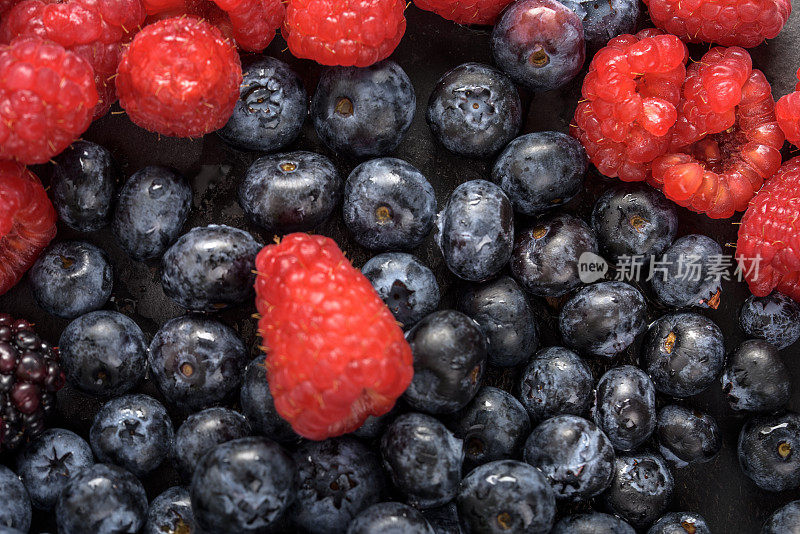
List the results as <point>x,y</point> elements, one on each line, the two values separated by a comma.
<point>625,406</point>
<point>423,459</point>
<point>540,171</point>
<point>506,496</point>
<point>680,523</point>
<point>210,268</point>
<point>574,455</point>
<point>603,318</point>
<point>259,406</point>
<point>83,185</point>
<point>546,254</point>
<point>388,204</point>
<point>271,109</point>
<point>683,353</point>
<point>363,112</point>
<point>634,220</point>
<point>687,436</point>
<point>196,362</point>
<point>390,518</point>
<point>602,21</point>
<point>407,286</point>
<point>291,192</point>
<point>685,275</point>
<point>474,110</point>
<point>504,314</point>
<point>339,478</point>
<point>103,353</point>
<point>592,523</point>
<point>71,278</point>
<point>641,489</point>
<point>449,360</point>
<point>9,530</point>
<point>203,431</point>
<point>755,378</point>
<point>45,465</point>
<point>539,44</point>
<point>243,486</point>
<point>102,499</point>
<point>476,230</point>
<point>153,207</point>
<point>375,425</point>
<point>785,520</point>
<point>170,512</point>
<point>134,432</point>
<point>766,450</point>
<point>775,318</point>
<point>555,382</point>
<point>444,519</point>
<point>15,506</point>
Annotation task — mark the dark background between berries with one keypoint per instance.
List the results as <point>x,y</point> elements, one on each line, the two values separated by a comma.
<point>431,46</point>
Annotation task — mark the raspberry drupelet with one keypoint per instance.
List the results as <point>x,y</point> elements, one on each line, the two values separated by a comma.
<point>787,110</point>
<point>465,12</point>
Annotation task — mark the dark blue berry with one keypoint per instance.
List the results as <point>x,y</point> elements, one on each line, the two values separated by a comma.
<point>170,512</point>
<point>605,19</point>
<point>474,110</point>
<point>785,520</point>
<point>444,519</point>
<point>210,268</point>
<point>271,109</point>
<point>555,382</point>
<point>686,436</point>
<point>755,378</point>
<point>405,284</point>
<point>153,207</point>
<point>363,112</point>
<point>423,459</point>
<point>641,489</point>
<point>259,406</point>
<point>71,278</point>
<point>775,318</point>
<point>680,523</point>
<point>685,275</point>
<point>291,192</point>
<point>625,406</point>
<point>388,204</point>
<point>592,523</point>
<point>476,230</point>
<point>375,425</point>
<point>15,506</point>
<point>203,431</point>
<point>390,518</point>
<point>769,448</point>
<point>103,353</point>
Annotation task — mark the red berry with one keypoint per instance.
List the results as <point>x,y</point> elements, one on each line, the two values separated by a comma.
<point>344,32</point>
<point>154,7</point>
<point>787,109</point>
<point>335,354</point>
<point>727,22</point>
<point>179,77</point>
<point>469,12</point>
<point>253,22</point>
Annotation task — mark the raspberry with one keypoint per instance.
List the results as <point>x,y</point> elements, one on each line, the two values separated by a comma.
<point>469,12</point>
<point>47,95</point>
<point>344,32</point>
<point>727,22</point>
<point>631,93</point>
<point>726,141</point>
<point>335,354</point>
<point>153,7</point>
<point>27,222</point>
<point>179,77</point>
<point>5,5</point>
<point>254,22</point>
<point>787,110</point>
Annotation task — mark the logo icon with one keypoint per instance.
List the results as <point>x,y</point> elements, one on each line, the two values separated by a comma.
<point>591,267</point>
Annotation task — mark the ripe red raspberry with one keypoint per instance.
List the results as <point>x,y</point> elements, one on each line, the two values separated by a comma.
<point>787,110</point>
<point>727,22</point>
<point>27,222</point>
<point>253,22</point>
<point>179,77</point>
<point>344,32</point>
<point>47,95</point>
<point>5,5</point>
<point>469,12</point>
<point>630,95</point>
<point>726,141</point>
<point>335,354</point>
<point>154,7</point>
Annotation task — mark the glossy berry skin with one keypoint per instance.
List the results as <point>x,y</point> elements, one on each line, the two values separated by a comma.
<point>474,110</point>
<point>634,220</point>
<point>476,230</point>
<point>390,518</point>
<point>787,112</point>
<point>546,254</point>
<point>603,318</point>
<point>71,278</point>
<point>774,318</point>
<point>426,471</point>
<point>170,512</point>
<point>102,498</point>
<point>685,275</point>
<point>444,519</point>
<point>540,171</point>
<point>576,457</point>
<point>683,354</point>
<point>556,381</point>
<point>602,21</point>
<point>449,352</point>
<point>465,12</point>
<point>592,523</point>
<point>338,479</point>
<point>686,436</point>
<point>680,523</point>
<point>755,378</point>
<point>15,508</point>
<point>210,268</point>
<point>405,284</point>
<point>503,312</point>
<point>259,406</point>
<point>539,44</point>
<point>506,496</point>
<point>290,192</point>
<point>641,489</point>
<point>204,430</point>
<point>104,353</point>
<point>784,520</point>
<point>84,183</point>
<point>767,451</point>
<point>363,112</point>
<point>625,406</point>
<point>45,464</point>
<point>388,205</point>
